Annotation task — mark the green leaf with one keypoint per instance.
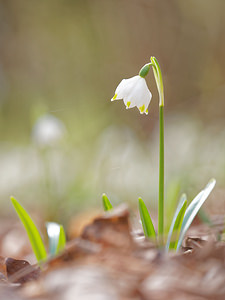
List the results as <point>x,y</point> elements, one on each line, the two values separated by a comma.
<point>146,221</point>
<point>106,203</point>
<point>176,224</point>
<point>193,209</point>
<point>62,240</point>
<point>32,231</point>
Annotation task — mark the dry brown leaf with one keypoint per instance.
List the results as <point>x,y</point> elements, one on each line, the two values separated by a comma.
<point>20,271</point>
<point>112,229</point>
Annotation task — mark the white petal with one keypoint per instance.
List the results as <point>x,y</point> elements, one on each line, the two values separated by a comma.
<point>129,92</point>
<point>143,99</point>
<point>139,95</point>
<point>124,88</point>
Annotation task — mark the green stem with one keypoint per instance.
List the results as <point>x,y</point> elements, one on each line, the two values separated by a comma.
<point>161,175</point>
<point>159,82</point>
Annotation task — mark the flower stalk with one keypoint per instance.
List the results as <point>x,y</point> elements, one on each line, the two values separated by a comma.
<point>161,175</point>
<point>159,82</point>
<point>135,93</point>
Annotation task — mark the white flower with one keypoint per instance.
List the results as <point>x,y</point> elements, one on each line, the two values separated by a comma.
<point>48,131</point>
<point>134,92</point>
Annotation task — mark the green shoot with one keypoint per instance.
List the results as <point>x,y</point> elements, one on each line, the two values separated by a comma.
<point>193,209</point>
<point>32,232</point>
<point>106,203</point>
<point>176,224</point>
<point>146,221</point>
<point>62,240</point>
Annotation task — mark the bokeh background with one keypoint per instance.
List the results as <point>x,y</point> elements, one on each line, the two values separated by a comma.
<point>63,143</point>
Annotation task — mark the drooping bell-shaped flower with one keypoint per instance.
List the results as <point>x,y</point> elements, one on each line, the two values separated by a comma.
<point>48,131</point>
<point>134,92</point>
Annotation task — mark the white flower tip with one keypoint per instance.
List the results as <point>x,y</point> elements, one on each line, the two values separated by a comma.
<point>128,104</point>
<point>114,97</point>
<point>143,110</point>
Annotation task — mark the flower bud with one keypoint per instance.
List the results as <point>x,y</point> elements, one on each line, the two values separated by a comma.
<point>144,70</point>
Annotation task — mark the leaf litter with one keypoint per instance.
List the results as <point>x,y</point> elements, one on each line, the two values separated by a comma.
<point>110,260</point>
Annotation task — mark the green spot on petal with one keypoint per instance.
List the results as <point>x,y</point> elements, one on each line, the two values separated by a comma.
<point>114,97</point>
<point>142,108</point>
<point>146,111</point>
<point>128,104</point>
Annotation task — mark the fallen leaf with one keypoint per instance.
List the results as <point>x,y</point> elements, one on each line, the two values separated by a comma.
<point>111,229</point>
<point>20,271</point>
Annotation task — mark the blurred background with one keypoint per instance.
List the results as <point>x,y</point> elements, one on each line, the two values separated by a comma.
<point>63,143</point>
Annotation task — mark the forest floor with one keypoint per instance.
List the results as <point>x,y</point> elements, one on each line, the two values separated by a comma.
<point>109,260</point>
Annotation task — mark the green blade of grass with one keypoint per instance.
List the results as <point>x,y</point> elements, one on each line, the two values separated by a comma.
<point>176,224</point>
<point>193,209</point>
<point>146,221</point>
<point>62,240</point>
<point>106,203</point>
<point>32,231</point>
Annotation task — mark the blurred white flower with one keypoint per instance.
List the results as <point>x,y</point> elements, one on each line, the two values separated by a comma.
<point>134,92</point>
<point>53,231</point>
<point>48,131</point>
